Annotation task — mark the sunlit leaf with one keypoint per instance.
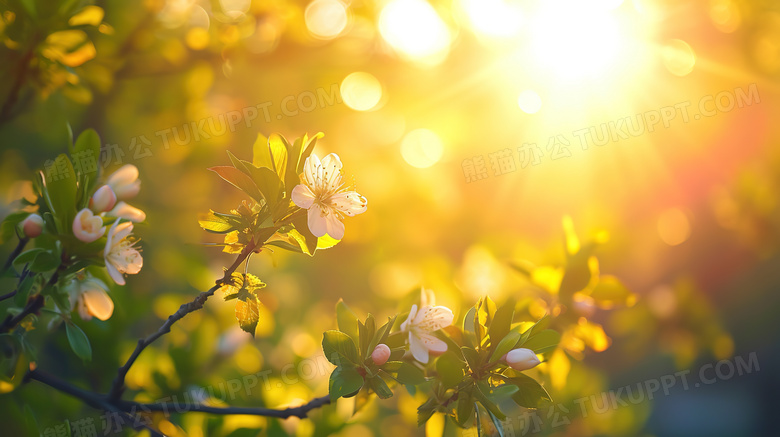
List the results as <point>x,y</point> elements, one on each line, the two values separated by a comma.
<point>344,381</point>
<point>90,15</point>
<point>78,341</point>
<point>248,313</point>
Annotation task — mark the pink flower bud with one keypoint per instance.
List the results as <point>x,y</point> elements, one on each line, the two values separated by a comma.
<point>522,359</point>
<point>32,226</point>
<point>125,182</point>
<point>87,227</point>
<point>103,200</point>
<point>127,212</point>
<point>381,354</point>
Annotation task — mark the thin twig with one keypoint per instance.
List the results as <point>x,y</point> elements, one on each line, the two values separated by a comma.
<point>117,387</point>
<point>92,399</point>
<point>17,250</point>
<point>35,304</point>
<point>300,412</point>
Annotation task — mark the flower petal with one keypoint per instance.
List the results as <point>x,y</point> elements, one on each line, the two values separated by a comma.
<point>302,196</point>
<point>430,319</point>
<point>418,349</point>
<point>98,303</point>
<point>335,225</point>
<point>433,344</point>
<point>114,273</point>
<point>331,171</point>
<point>127,212</point>
<point>408,321</point>
<point>349,202</point>
<point>317,221</point>
<point>310,168</point>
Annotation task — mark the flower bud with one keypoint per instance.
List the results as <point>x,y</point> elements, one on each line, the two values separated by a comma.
<point>87,227</point>
<point>381,354</point>
<point>522,359</point>
<point>103,200</point>
<point>32,226</point>
<point>125,182</point>
<point>127,212</point>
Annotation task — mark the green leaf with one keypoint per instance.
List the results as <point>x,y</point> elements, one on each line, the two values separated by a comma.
<point>505,345</point>
<point>214,223</point>
<point>464,412</point>
<point>260,156</point>
<point>498,424</point>
<point>27,257</point>
<point>487,403</point>
<point>301,224</point>
<point>88,145</point>
<point>78,341</point>
<point>347,320</point>
<point>307,150</point>
<point>61,188</point>
<point>502,322</point>
<point>278,146</point>
<point>269,183</point>
<point>247,312</point>
<point>409,374</point>
<point>379,386</point>
<point>425,411</point>
<point>471,356</point>
<point>10,222</point>
<point>543,341</point>
<point>530,394</point>
<point>45,261</point>
<point>344,382</point>
<point>240,180</point>
<point>337,345</point>
<point>381,334</point>
<point>450,369</point>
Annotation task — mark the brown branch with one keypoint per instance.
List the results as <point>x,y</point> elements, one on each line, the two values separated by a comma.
<point>92,399</point>
<point>32,307</point>
<point>117,387</point>
<point>17,250</point>
<point>300,411</point>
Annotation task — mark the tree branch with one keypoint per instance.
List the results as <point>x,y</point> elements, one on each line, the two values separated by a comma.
<point>117,387</point>
<point>300,412</point>
<point>17,250</point>
<point>92,399</point>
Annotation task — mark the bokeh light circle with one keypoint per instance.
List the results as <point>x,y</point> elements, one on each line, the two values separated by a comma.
<point>361,91</point>
<point>326,19</point>
<point>674,227</point>
<point>422,148</point>
<point>678,57</point>
<point>529,102</point>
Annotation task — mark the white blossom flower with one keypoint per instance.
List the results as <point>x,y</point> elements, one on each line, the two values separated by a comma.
<point>103,200</point>
<point>92,299</point>
<point>88,227</point>
<point>420,325</point>
<point>521,359</point>
<point>127,212</point>
<point>326,197</point>
<point>32,225</point>
<point>125,182</point>
<point>120,254</point>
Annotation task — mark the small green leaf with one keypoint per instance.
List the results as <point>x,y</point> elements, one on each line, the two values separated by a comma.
<point>8,227</point>
<point>337,345</point>
<point>87,148</point>
<point>379,386</point>
<point>409,374</point>
<point>301,223</point>
<point>344,382</point>
<point>530,394</point>
<point>240,180</point>
<point>425,411</point>
<point>213,223</point>
<point>471,356</point>
<point>260,156</point>
<point>502,321</point>
<point>543,341</point>
<point>78,341</point>
<point>450,369</point>
<point>498,424</point>
<point>61,188</point>
<point>487,403</point>
<point>27,257</point>
<point>464,413</point>
<point>505,345</point>
<point>278,147</point>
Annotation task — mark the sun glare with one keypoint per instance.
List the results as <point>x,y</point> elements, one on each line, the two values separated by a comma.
<point>415,30</point>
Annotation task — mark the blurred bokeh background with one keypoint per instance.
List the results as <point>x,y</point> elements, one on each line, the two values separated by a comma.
<point>473,127</point>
